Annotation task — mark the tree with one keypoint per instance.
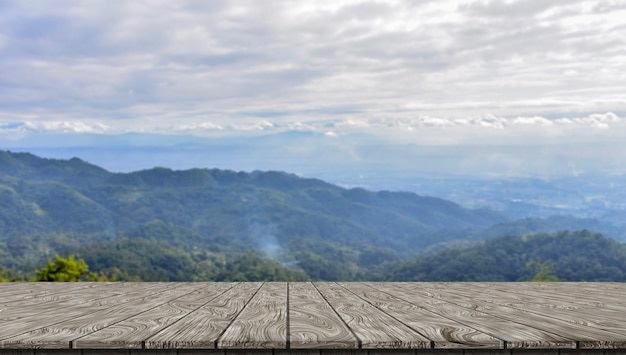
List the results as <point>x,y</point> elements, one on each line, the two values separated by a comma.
<point>9,275</point>
<point>2,275</point>
<point>67,270</point>
<point>544,271</point>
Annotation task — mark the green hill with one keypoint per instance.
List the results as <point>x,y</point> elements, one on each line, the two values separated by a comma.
<point>570,256</point>
<point>52,206</point>
<point>211,224</point>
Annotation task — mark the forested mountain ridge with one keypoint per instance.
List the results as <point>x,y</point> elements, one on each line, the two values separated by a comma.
<point>74,196</point>
<point>568,256</point>
<point>211,224</point>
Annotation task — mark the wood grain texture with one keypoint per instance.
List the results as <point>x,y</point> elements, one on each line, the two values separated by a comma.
<point>201,328</point>
<point>574,313</point>
<point>312,318</point>
<point>373,327</point>
<point>130,333</point>
<point>55,329</point>
<point>443,332</point>
<point>615,304</point>
<point>38,302</point>
<point>28,316</point>
<point>70,297</point>
<point>516,335</point>
<point>263,322</point>
<point>313,323</point>
<point>587,337</point>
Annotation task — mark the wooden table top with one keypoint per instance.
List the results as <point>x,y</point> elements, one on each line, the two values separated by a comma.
<point>319,315</point>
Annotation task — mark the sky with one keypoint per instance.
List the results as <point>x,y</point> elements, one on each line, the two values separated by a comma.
<point>433,72</point>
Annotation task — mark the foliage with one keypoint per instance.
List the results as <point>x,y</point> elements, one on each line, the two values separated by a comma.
<point>159,220</point>
<point>67,270</point>
<point>566,256</point>
<point>544,271</point>
<point>253,267</point>
<point>210,224</point>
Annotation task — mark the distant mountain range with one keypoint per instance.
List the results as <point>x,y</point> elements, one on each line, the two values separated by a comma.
<point>538,178</point>
<point>201,224</point>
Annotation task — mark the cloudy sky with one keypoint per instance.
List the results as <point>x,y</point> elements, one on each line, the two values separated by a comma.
<point>438,72</point>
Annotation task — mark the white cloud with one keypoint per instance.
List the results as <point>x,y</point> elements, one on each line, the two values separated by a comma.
<point>225,66</point>
<point>488,129</point>
<point>536,120</point>
<point>28,127</point>
<point>203,126</point>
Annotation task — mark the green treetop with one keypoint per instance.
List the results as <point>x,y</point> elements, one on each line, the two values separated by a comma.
<point>66,270</point>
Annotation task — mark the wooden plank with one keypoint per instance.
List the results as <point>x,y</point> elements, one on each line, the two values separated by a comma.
<point>581,314</point>
<point>131,332</point>
<point>587,337</point>
<point>17,320</point>
<point>43,296</point>
<point>52,302</point>
<point>565,303</point>
<point>263,322</point>
<point>572,291</point>
<point>313,323</point>
<point>444,333</point>
<point>373,327</point>
<point>201,328</point>
<point>569,295</point>
<point>516,335</point>
<point>56,329</point>
<point>311,317</point>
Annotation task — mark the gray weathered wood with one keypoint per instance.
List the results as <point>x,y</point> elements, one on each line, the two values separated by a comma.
<point>516,335</point>
<point>56,329</point>
<point>130,333</point>
<point>574,313</point>
<point>312,318</point>
<point>615,302</point>
<point>587,337</point>
<point>444,333</point>
<point>263,322</point>
<point>201,328</point>
<point>373,327</point>
<point>313,323</point>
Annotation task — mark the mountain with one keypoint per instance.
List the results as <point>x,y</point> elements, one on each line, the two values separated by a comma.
<point>505,177</point>
<point>568,256</point>
<point>52,205</point>
<point>211,224</point>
